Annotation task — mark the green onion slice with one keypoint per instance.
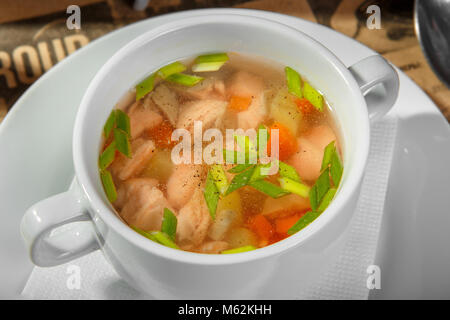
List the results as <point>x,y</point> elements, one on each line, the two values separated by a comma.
<point>232,156</point>
<point>327,153</point>
<point>108,185</point>
<point>164,239</point>
<point>313,96</point>
<point>157,236</point>
<point>145,86</point>
<point>144,233</point>
<point>240,167</point>
<point>109,125</point>
<point>247,146</point>
<point>122,142</point>
<point>288,171</point>
<point>219,177</point>
<point>107,156</point>
<point>172,68</point>
<point>209,62</point>
<point>211,195</point>
<point>123,121</point>
<point>336,168</point>
<point>294,82</point>
<point>319,189</point>
<point>309,217</point>
<point>268,188</point>
<point>260,142</point>
<point>326,200</point>
<point>239,250</point>
<point>240,180</point>
<point>294,187</point>
<point>184,79</point>
<point>257,174</point>
<point>169,224</point>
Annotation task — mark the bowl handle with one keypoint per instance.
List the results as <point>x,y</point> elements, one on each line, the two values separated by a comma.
<point>47,246</point>
<point>370,72</point>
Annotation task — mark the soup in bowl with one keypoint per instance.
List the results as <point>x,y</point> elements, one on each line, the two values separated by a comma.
<point>167,226</point>
<point>187,154</point>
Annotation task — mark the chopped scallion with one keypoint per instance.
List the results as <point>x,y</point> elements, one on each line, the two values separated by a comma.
<point>327,153</point>
<point>211,195</point>
<point>309,217</point>
<point>239,250</point>
<point>145,86</point>
<point>326,199</point>
<point>172,68</point>
<point>319,189</point>
<point>144,233</point>
<point>219,177</point>
<point>268,188</point>
<point>169,224</point>
<point>164,239</point>
<point>109,125</point>
<point>247,146</point>
<point>257,174</point>
<point>209,62</point>
<point>240,180</point>
<point>262,138</point>
<point>123,121</point>
<point>108,185</point>
<point>294,187</point>
<point>122,142</point>
<point>313,96</point>
<point>107,156</point>
<point>294,82</point>
<point>288,171</point>
<point>239,168</point>
<point>336,168</point>
<point>157,236</point>
<point>231,156</point>
<point>184,79</point>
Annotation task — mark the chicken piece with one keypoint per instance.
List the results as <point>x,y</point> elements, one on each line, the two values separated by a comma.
<point>284,206</point>
<point>254,115</point>
<point>210,89</point>
<point>142,151</point>
<point>129,187</point>
<point>210,112</point>
<point>182,183</point>
<point>245,84</point>
<point>308,159</point>
<point>144,208</point>
<point>166,100</point>
<point>213,247</point>
<point>143,117</point>
<point>193,220</point>
<point>321,136</point>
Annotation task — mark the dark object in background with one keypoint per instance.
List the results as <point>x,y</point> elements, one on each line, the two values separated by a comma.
<point>432,23</point>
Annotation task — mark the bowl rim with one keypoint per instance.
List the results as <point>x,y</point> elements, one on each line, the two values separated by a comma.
<point>104,211</point>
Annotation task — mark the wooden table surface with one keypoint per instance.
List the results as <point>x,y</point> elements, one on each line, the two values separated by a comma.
<point>34,35</point>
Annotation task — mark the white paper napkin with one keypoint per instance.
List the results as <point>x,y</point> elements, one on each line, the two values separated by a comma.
<point>91,276</point>
<point>346,276</point>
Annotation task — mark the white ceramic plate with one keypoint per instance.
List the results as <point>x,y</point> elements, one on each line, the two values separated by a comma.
<point>36,162</point>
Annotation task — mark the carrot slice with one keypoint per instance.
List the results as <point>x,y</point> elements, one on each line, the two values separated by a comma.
<point>262,227</point>
<point>287,141</point>
<point>282,225</point>
<point>238,103</point>
<point>305,106</point>
<point>162,135</point>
